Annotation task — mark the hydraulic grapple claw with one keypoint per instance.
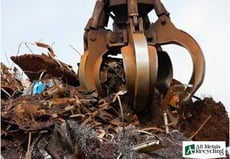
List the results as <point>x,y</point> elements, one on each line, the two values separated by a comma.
<point>146,65</point>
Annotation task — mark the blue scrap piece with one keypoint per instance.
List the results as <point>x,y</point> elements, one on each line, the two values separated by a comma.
<point>37,87</point>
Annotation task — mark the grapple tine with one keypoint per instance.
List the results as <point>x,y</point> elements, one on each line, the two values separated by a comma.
<point>164,73</point>
<point>154,66</point>
<point>140,65</point>
<point>142,82</point>
<point>96,74</point>
<point>91,60</point>
<point>167,33</point>
<point>81,69</point>
<point>128,57</point>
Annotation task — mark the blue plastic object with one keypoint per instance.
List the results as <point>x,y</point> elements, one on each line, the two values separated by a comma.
<point>37,87</point>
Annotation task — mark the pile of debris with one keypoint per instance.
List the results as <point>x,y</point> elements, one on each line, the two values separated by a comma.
<point>52,116</point>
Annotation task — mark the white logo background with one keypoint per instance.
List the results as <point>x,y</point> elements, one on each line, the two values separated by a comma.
<point>205,149</point>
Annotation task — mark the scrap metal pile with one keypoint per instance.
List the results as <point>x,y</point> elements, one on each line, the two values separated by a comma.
<point>49,112</point>
<point>114,107</point>
<point>48,117</point>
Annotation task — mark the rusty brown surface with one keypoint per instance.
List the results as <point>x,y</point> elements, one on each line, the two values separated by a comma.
<point>33,65</point>
<point>216,128</point>
<point>140,42</point>
<point>119,103</point>
<point>81,123</point>
<point>9,84</point>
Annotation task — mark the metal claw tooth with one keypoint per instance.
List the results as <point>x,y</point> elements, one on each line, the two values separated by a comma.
<point>164,73</point>
<point>142,77</point>
<point>167,33</point>
<point>82,72</point>
<point>140,64</point>
<point>89,69</point>
<point>129,68</point>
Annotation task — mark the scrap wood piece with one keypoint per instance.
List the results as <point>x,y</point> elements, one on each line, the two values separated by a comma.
<point>33,65</point>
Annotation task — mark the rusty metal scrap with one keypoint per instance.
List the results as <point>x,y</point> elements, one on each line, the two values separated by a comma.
<point>33,65</point>
<point>37,115</point>
<point>35,112</point>
<point>50,49</point>
<point>115,106</point>
<point>81,111</point>
<point>10,85</point>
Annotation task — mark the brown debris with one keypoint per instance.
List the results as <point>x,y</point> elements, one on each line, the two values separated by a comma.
<point>50,49</point>
<point>9,84</point>
<point>67,121</point>
<point>216,128</point>
<point>33,65</point>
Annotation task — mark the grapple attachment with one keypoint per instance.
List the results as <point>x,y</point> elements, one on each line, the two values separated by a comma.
<point>146,65</point>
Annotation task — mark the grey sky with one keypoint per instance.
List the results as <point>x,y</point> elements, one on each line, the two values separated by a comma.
<point>62,22</point>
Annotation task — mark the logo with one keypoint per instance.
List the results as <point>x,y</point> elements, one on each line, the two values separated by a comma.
<point>190,149</point>
<point>204,149</point>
